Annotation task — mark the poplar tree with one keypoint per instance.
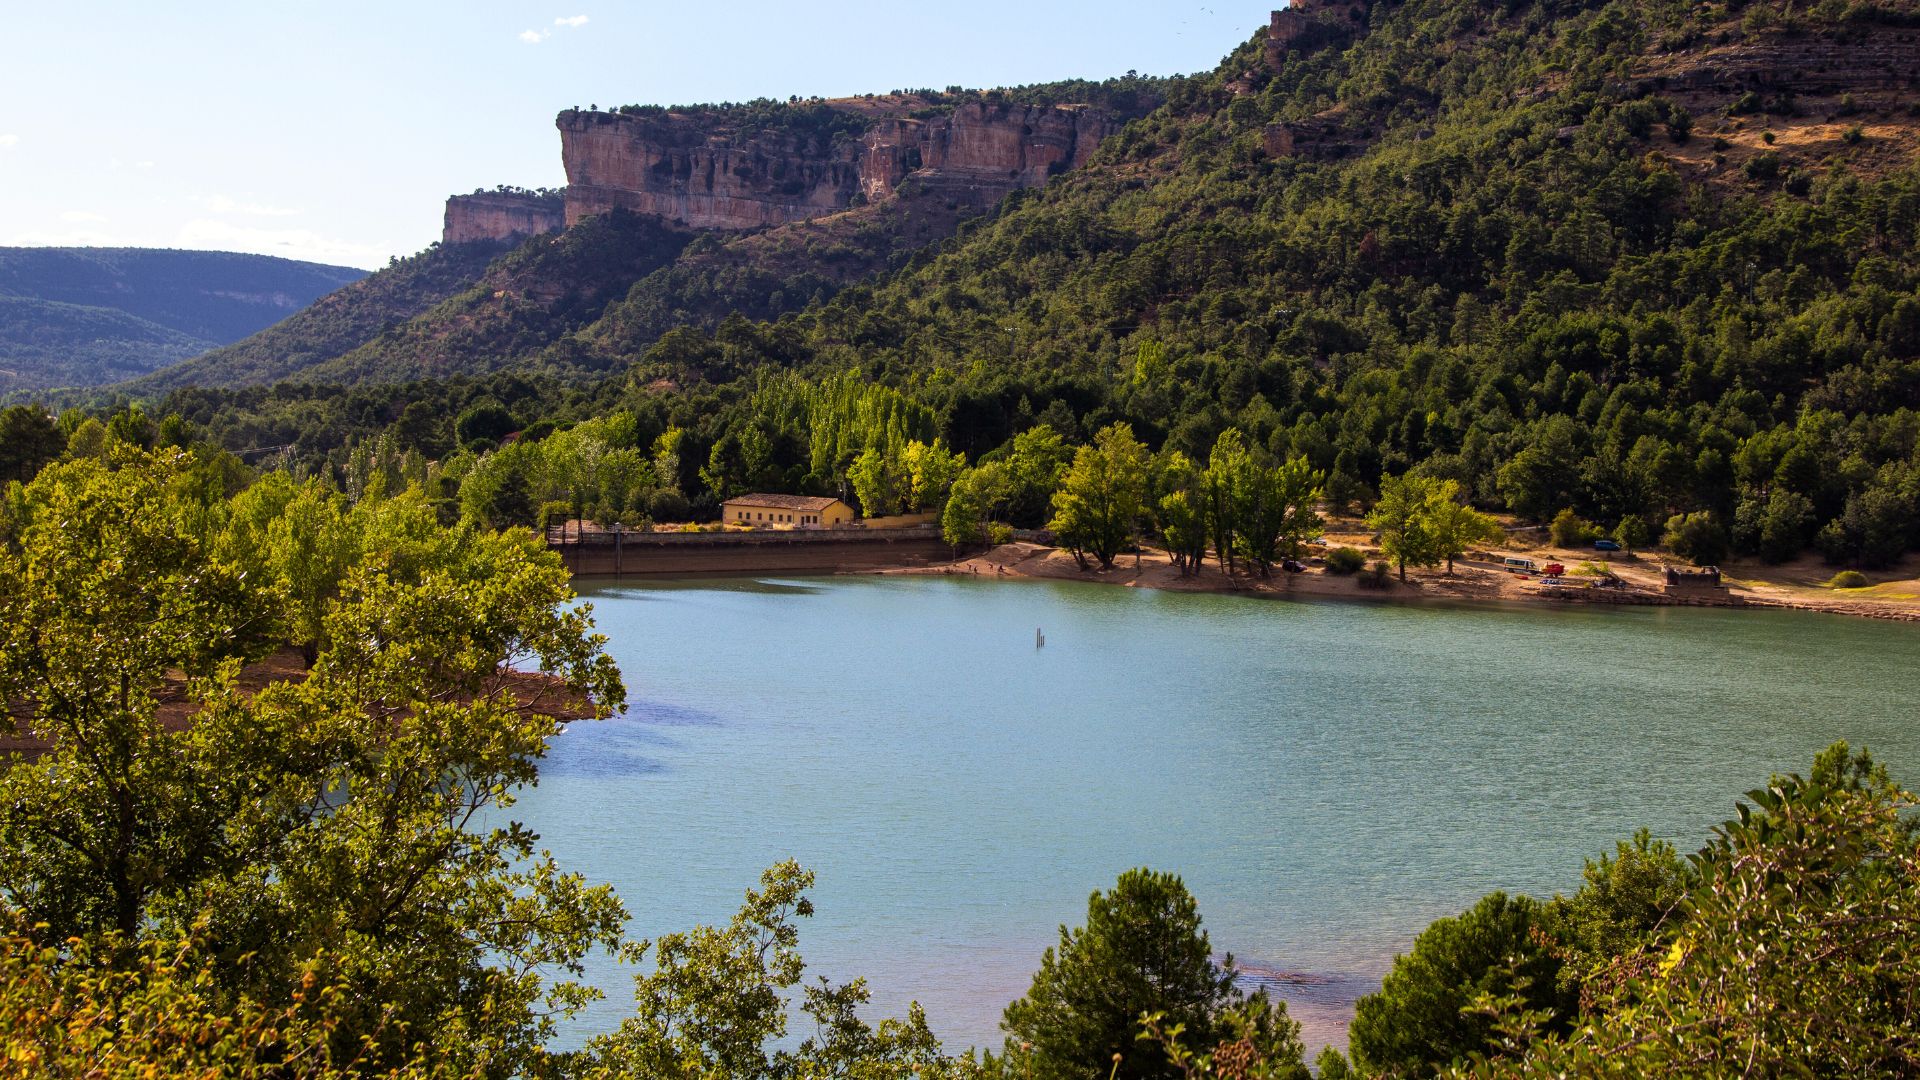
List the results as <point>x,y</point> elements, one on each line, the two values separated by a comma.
<point>1101,497</point>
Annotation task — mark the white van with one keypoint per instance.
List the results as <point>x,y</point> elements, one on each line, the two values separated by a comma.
<point>1523,566</point>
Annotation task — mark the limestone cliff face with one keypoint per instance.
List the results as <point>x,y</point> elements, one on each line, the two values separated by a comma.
<point>688,170</point>
<point>1308,24</point>
<point>501,216</point>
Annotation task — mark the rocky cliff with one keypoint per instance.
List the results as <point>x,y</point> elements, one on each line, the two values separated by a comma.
<point>702,172</point>
<point>500,215</point>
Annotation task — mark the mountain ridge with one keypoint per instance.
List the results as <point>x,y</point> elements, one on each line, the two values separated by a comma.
<point>89,316</point>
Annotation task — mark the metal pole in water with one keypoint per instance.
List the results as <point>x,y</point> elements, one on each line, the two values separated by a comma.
<point>1039,639</point>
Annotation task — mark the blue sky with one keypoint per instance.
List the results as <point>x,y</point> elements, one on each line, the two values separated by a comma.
<point>333,131</point>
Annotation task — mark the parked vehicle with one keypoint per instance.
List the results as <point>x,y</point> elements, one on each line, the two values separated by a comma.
<point>1522,566</point>
<point>1606,545</point>
<point>1554,569</point>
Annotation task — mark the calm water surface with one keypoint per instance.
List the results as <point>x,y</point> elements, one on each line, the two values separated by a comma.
<point>1328,778</point>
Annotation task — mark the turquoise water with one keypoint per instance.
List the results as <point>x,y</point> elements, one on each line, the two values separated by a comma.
<point>1328,778</point>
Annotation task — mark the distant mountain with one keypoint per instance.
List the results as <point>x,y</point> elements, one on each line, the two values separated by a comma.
<point>339,323</point>
<point>89,316</point>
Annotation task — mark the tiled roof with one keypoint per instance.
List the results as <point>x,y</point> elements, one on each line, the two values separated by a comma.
<point>807,503</point>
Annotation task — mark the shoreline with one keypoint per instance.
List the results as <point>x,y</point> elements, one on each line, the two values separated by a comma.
<point>1474,582</point>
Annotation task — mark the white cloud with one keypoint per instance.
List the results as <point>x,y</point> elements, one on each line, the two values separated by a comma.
<point>535,37</point>
<point>572,22</point>
<point>84,217</point>
<point>143,164</point>
<point>227,204</point>
<point>286,243</point>
<point>9,141</point>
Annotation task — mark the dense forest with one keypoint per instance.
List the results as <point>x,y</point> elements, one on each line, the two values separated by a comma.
<point>1508,264</point>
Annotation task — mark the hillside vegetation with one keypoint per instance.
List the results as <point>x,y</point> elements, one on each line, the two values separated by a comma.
<point>90,316</point>
<point>336,324</point>
<point>1569,255</point>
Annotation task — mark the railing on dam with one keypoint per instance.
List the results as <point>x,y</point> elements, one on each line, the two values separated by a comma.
<point>619,552</point>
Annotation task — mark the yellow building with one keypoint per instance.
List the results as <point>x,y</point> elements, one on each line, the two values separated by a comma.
<point>786,512</point>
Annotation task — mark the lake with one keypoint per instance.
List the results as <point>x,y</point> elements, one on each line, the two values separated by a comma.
<point>1328,778</point>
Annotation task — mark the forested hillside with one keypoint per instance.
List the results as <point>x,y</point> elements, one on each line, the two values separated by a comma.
<point>90,316</point>
<point>336,324</point>
<point>1635,261</point>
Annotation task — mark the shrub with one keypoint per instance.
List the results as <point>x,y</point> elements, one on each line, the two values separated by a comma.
<point>1848,579</point>
<point>1698,538</point>
<point>667,504</point>
<point>1763,167</point>
<point>1419,1021</point>
<point>1680,125</point>
<point>1375,576</point>
<point>1853,135</point>
<point>1570,530</point>
<point>1345,560</point>
<point>999,533</point>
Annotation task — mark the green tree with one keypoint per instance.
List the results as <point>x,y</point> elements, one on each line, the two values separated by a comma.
<point>1876,527</point>
<point>1634,532</point>
<point>1420,1021</point>
<point>1100,499</point>
<point>716,1005</point>
<point>1698,538</point>
<point>1036,459</point>
<point>1229,466</point>
<point>1141,952</point>
<point>329,828</point>
<point>880,481</point>
<point>1570,530</point>
<point>931,471</point>
<point>1454,526</point>
<point>105,598</point>
<point>1181,511</point>
<point>978,495</point>
<point>1276,511</point>
<point>29,440</point>
<point>484,424</point>
<point>1403,520</point>
<point>1183,528</point>
<point>1546,475</point>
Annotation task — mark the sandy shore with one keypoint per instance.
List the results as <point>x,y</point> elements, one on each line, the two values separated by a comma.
<point>1475,579</point>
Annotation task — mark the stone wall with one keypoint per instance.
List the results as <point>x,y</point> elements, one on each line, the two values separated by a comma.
<point>835,551</point>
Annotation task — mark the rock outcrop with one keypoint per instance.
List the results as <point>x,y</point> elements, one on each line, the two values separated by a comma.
<point>1870,57</point>
<point>501,215</point>
<point>1307,24</point>
<point>693,170</point>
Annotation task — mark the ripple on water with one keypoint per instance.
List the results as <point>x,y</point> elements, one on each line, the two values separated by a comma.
<point>1327,778</point>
